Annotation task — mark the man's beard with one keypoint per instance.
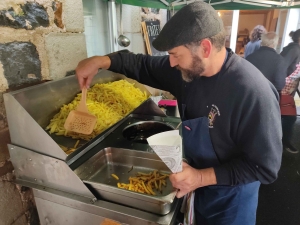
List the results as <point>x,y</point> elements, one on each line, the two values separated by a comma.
<point>194,71</point>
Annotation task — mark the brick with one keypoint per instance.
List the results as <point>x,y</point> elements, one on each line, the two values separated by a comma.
<point>5,139</point>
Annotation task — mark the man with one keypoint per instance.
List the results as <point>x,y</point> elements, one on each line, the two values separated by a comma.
<point>255,40</point>
<point>269,62</point>
<point>230,113</point>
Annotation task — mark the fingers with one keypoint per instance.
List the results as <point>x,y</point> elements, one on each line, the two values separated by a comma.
<point>89,81</point>
<point>81,81</point>
<point>173,179</point>
<point>184,164</point>
<point>181,193</point>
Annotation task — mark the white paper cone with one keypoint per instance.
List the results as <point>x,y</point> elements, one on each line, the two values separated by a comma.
<point>168,146</point>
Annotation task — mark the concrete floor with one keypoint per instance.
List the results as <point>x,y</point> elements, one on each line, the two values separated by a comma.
<point>279,203</point>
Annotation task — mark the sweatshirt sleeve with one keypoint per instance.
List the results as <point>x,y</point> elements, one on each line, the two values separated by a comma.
<point>154,71</point>
<point>256,131</point>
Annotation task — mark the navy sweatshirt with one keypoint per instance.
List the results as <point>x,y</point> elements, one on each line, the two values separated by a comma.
<point>246,134</point>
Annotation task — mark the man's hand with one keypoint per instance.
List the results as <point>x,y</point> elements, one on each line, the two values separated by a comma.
<point>88,68</point>
<point>190,179</point>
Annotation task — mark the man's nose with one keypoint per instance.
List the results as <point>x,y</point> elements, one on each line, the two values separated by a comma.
<point>173,61</point>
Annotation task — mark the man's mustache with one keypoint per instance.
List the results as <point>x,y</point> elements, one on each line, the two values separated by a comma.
<point>178,67</point>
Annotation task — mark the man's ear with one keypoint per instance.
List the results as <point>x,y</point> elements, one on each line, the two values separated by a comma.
<point>206,48</point>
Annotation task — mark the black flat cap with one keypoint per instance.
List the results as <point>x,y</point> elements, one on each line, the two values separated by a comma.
<point>193,22</point>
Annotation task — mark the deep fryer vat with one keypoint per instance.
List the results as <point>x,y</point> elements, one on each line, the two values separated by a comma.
<point>140,131</point>
<point>97,172</point>
<point>30,110</point>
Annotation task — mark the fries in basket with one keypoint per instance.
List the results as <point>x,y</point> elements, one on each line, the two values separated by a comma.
<point>146,183</point>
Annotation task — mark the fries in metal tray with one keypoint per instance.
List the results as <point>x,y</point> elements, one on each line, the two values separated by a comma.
<point>146,183</point>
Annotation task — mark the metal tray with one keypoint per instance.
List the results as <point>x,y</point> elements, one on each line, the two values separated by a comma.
<point>96,174</point>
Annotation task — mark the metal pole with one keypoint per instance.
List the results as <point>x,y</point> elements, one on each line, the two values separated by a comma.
<point>112,25</point>
<point>234,29</point>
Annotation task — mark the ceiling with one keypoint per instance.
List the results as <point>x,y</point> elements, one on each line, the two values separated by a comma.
<point>217,4</point>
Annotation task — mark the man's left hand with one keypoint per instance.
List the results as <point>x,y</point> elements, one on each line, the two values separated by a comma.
<point>190,179</point>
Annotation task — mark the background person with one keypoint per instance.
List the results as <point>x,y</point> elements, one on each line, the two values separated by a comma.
<point>291,53</point>
<point>268,61</point>
<point>230,138</point>
<point>254,43</point>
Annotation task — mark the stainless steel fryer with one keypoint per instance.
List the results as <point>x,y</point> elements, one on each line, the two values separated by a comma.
<point>42,165</point>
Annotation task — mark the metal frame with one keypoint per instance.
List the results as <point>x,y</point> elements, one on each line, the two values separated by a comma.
<point>222,2</point>
<point>247,2</point>
<point>251,3</point>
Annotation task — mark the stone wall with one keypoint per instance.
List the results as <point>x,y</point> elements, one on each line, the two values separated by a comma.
<point>40,40</point>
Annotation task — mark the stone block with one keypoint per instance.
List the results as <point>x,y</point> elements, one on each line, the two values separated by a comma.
<point>58,14</point>
<point>3,121</point>
<point>28,16</point>
<point>65,50</point>
<point>11,207</point>
<point>20,62</point>
<point>3,81</point>
<point>21,220</point>
<point>6,168</point>
<point>5,139</point>
<point>73,15</point>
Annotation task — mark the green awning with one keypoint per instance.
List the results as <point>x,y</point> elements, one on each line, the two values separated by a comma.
<point>217,4</point>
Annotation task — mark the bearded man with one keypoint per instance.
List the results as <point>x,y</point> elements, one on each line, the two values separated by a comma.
<point>231,119</point>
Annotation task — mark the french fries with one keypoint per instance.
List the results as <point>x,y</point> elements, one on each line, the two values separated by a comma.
<point>109,102</point>
<point>68,151</point>
<point>115,176</point>
<point>145,183</point>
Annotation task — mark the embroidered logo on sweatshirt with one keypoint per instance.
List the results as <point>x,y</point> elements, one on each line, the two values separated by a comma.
<point>214,112</point>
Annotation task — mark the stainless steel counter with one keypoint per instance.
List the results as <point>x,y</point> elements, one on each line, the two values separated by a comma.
<point>57,207</point>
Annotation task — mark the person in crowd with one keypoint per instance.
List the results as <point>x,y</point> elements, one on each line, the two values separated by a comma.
<point>291,53</point>
<point>268,61</point>
<point>231,140</point>
<point>255,40</point>
<point>290,123</point>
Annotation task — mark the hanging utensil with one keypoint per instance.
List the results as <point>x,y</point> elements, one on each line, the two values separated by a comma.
<point>123,41</point>
<point>81,120</point>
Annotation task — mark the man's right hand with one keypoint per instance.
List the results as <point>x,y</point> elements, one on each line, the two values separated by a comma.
<point>88,68</point>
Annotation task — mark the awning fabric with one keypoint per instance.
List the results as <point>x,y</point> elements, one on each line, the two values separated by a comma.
<point>217,4</point>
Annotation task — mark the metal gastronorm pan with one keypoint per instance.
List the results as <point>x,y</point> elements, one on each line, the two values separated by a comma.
<point>96,174</point>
